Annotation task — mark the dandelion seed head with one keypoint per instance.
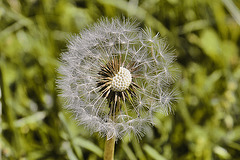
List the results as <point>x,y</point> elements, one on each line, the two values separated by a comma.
<point>115,76</point>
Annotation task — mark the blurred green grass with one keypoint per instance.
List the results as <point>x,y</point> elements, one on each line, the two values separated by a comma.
<point>206,36</point>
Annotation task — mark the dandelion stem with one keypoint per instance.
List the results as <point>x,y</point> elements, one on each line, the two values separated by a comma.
<point>109,148</point>
<point>110,143</point>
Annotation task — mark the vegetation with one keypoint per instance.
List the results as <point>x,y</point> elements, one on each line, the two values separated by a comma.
<point>206,36</point>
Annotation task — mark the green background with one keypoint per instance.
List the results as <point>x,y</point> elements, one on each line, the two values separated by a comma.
<point>206,37</point>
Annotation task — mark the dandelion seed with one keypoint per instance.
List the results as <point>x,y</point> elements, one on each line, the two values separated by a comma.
<point>115,75</point>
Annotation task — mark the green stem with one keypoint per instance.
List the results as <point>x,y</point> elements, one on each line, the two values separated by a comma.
<point>109,149</point>
<point>110,143</point>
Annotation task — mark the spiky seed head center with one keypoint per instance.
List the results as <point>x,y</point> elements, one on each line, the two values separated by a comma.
<point>122,80</point>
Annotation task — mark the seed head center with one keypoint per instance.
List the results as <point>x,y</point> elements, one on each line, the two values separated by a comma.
<point>122,80</point>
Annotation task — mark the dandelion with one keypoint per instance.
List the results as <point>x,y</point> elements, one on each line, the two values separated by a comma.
<point>115,76</point>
